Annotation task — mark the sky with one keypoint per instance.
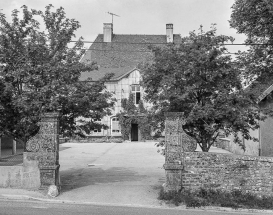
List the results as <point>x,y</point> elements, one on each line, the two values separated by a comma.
<point>140,16</point>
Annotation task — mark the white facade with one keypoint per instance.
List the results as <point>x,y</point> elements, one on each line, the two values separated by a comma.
<point>128,83</point>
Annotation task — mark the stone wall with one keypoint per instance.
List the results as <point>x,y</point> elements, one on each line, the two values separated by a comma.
<point>26,176</point>
<point>266,137</point>
<point>251,147</point>
<point>185,168</point>
<point>41,159</point>
<point>44,148</point>
<point>177,142</point>
<point>222,171</point>
<point>264,146</point>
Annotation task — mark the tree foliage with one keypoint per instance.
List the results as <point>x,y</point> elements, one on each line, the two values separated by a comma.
<point>254,19</point>
<point>198,78</point>
<point>40,73</point>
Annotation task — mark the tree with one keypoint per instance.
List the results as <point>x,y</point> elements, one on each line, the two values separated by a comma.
<point>40,73</point>
<point>197,77</point>
<point>254,19</point>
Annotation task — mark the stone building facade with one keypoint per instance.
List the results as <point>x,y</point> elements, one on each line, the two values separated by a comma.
<point>121,55</point>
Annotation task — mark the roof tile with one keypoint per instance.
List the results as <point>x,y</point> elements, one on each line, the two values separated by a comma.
<point>121,55</point>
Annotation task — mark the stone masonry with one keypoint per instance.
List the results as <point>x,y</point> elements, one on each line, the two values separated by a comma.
<point>228,172</point>
<point>177,142</point>
<point>186,169</point>
<point>40,169</point>
<point>44,147</point>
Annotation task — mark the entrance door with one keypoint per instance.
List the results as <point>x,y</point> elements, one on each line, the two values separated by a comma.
<point>134,132</point>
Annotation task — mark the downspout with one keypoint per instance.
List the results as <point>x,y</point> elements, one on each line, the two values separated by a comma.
<point>182,162</point>
<point>260,140</point>
<point>110,129</point>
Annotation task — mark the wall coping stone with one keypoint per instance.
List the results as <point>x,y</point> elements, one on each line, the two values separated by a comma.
<point>50,167</point>
<point>50,115</point>
<point>239,157</point>
<point>173,166</point>
<point>174,114</point>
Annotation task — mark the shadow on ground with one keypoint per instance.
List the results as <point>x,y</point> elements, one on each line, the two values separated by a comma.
<point>76,178</point>
<point>61,148</point>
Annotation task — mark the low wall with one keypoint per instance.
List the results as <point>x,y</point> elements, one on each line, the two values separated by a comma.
<point>26,176</point>
<point>221,171</point>
<point>41,159</point>
<point>251,147</point>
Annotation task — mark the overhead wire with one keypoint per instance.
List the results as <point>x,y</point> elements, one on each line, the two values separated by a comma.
<point>155,43</point>
<point>151,43</point>
<point>165,43</point>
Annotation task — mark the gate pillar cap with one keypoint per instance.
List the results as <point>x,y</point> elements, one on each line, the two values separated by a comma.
<point>50,115</point>
<point>174,114</point>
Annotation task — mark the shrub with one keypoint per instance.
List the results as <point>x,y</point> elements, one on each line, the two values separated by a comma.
<point>204,197</point>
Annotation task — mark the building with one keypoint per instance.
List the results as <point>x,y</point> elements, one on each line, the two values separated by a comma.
<point>121,54</point>
<point>262,89</point>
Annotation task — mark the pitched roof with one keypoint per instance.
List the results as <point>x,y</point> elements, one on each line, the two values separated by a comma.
<point>261,87</point>
<point>101,72</point>
<point>121,55</point>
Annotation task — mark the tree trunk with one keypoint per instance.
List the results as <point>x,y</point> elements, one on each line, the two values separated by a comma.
<point>204,147</point>
<point>14,147</point>
<point>0,146</point>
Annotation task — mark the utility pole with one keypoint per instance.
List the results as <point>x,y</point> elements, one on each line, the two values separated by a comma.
<point>112,14</point>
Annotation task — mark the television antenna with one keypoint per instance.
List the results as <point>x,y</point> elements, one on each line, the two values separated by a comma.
<point>112,14</point>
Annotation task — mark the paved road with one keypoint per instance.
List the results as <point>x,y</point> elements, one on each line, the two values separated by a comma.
<point>34,208</point>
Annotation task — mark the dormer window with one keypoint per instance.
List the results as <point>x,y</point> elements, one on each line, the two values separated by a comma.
<point>136,93</point>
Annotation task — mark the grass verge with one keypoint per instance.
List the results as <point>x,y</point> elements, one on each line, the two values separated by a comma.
<point>210,197</point>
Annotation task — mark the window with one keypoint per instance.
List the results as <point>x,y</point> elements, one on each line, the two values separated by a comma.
<point>136,93</point>
<point>115,125</point>
<point>115,131</point>
<point>97,121</point>
<point>97,130</point>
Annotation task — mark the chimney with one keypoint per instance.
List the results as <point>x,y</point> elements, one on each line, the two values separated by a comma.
<point>169,33</point>
<point>107,32</point>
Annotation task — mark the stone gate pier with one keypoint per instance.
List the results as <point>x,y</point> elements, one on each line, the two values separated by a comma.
<point>177,142</point>
<point>40,169</point>
<point>44,148</point>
